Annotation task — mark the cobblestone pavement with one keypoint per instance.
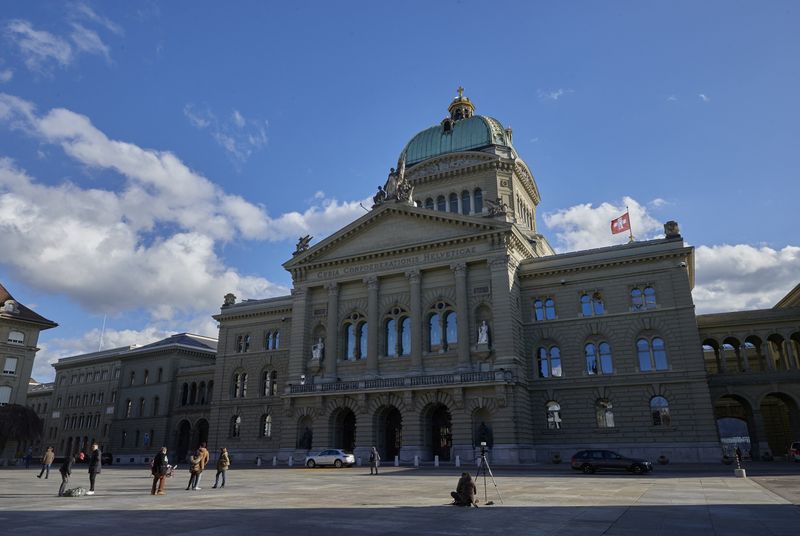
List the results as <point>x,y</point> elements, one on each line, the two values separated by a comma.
<point>541,501</point>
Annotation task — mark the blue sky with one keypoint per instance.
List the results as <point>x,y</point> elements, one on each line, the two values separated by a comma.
<point>154,156</point>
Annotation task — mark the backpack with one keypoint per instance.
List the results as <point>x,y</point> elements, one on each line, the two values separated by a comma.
<point>75,492</point>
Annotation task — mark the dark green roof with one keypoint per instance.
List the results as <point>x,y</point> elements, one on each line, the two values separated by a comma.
<point>469,134</point>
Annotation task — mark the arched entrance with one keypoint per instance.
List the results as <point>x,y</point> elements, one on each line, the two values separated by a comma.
<point>388,432</point>
<point>305,436</point>
<point>482,429</point>
<point>184,436</point>
<point>438,428</point>
<point>734,418</point>
<point>202,431</point>
<point>343,422</point>
<point>780,416</point>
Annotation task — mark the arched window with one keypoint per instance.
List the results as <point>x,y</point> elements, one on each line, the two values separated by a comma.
<point>454,203</point>
<point>405,336</point>
<point>276,340</point>
<point>553,415</point>
<point>266,426</point>
<point>240,385</point>
<point>193,394</point>
<point>268,341</point>
<point>133,377</point>
<point>16,337</point>
<point>123,439</point>
<point>465,202</point>
<point>128,408</point>
<point>652,354</point>
<point>441,204</point>
<point>185,394</point>
<point>549,364</point>
<point>643,299</point>
<point>236,426</point>
<point>273,383</point>
<point>362,340</point>
<point>210,390</point>
<point>155,406</point>
<point>659,409</point>
<point>201,393</point>
<point>478,200</point>
<point>442,327</point>
<point>429,203</point>
<point>355,337</point>
<point>605,413</point>
<point>538,310</point>
<point>141,407</point>
<point>592,304</point>
<point>598,358</point>
<point>649,298</point>
<point>549,309</point>
<point>146,376</point>
<point>391,338</point>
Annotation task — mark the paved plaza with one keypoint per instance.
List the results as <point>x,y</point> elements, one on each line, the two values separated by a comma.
<point>686,500</point>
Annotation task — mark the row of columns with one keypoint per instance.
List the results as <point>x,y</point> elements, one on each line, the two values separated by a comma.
<point>785,350</point>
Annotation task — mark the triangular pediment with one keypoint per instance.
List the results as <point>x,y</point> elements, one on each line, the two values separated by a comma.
<point>396,227</point>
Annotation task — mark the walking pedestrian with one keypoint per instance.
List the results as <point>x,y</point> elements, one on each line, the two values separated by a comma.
<point>374,460</point>
<point>160,463</point>
<point>223,463</point>
<point>28,457</point>
<point>47,460</point>
<point>95,464</point>
<point>203,462</point>
<point>66,471</point>
<point>194,470</point>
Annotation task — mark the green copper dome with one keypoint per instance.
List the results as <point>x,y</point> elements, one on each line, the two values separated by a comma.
<point>468,134</point>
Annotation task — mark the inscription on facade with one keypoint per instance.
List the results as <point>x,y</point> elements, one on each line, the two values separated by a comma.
<point>433,256</point>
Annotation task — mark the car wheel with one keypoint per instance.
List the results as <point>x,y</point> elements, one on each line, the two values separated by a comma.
<point>637,469</point>
<point>587,469</point>
<point>311,464</point>
<point>337,464</point>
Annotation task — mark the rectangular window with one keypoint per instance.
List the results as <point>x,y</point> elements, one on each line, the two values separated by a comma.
<point>10,366</point>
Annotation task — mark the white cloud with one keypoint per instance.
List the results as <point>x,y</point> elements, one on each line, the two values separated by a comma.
<point>741,276</point>
<point>39,49</point>
<point>88,41</point>
<point>238,135</point>
<point>83,11</point>
<point>672,98</point>
<point>553,94</point>
<point>585,226</point>
<point>703,97</point>
<point>6,75</point>
<point>149,246</point>
<point>658,202</point>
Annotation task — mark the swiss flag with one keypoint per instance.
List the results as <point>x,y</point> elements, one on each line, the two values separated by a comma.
<point>621,224</point>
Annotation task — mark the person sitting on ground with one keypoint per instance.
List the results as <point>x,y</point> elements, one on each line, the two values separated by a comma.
<point>464,495</point>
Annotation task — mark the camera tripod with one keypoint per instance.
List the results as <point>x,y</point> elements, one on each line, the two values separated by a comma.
<point>483,467</point>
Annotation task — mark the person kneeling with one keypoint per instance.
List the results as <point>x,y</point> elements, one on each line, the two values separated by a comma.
<point>464,495</point>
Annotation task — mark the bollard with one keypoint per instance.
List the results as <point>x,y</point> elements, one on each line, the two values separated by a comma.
<point>258,461</point>
<point>416,461</point>
<point>436,461</point>
<point>458,460</point>
<point>274,461</point>
<point>291,461</point>
<point>396,460</point>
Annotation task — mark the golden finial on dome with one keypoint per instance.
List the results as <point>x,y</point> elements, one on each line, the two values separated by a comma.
<point>461,107</point>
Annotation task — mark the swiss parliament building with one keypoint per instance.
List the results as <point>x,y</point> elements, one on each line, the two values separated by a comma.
<point>440,319</point>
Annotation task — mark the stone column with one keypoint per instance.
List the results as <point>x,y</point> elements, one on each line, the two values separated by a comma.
<point>462,312</point>
<point>791,356</point>
<point>760,445</point>
<point>765,356</point>
<point>373,319</point>
<point>723,365</point>
<point>415,284</point>
<point>741,358</point>
<point>299,351</point>
<point>332,344</point>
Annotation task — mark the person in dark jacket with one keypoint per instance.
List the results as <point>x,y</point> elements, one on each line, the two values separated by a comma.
<point>95,463</point>
<point>160,468</point>
<point>195,468</point>
<point>464,495</point>
<point>374,460</point>
<point>66,470</point>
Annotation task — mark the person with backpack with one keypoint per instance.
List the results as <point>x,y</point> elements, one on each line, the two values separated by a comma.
<point>374,460</point>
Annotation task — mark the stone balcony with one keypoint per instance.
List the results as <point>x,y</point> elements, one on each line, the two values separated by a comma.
<point>459,379</point>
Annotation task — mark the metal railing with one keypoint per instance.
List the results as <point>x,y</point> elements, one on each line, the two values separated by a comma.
<point>495,376</point>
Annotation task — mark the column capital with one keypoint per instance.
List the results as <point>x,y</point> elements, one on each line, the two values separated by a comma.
<point>499,262</point>
<point>332,287</point>
<point>459,268</point>
<point>413,275</point>
<point>371,281</point>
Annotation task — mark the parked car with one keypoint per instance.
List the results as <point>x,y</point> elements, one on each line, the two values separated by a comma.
<point>334,457</point>
<point>590,461</point>
<point>794,452</point>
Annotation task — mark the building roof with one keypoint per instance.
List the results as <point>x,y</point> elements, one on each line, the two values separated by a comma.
<point>18,311</point>
<point>183,339</point>
<point>792,299</point>
<point>41,388</point>
<point>470,134</point>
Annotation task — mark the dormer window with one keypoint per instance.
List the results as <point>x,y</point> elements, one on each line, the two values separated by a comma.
<point>16,337</point>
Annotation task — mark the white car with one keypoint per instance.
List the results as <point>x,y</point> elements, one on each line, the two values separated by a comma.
<point>334,457</point>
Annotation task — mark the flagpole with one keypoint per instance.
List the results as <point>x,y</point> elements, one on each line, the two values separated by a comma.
<point>630,224</point>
